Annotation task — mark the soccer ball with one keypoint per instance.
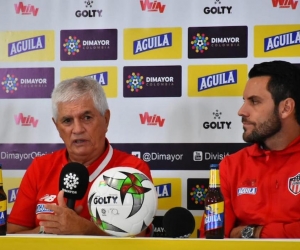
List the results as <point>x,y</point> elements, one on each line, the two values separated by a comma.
<point>122,201</point>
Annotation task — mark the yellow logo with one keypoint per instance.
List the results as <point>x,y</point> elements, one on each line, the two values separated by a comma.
<point>27,46</point>
<point>155,43</point>
<point>216,80</point>
<point>277,41</point>
<point>168,191</point>
<point>106,76</point>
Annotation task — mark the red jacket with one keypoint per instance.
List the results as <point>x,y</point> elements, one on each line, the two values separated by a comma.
<point>262,187</point>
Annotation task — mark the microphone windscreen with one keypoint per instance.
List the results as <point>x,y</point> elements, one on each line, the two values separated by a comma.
<point>178,222</point>
<point>74,180</point>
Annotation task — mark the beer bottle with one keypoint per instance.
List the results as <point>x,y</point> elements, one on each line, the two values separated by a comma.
<point>214,206</point>
<point>3,207</point>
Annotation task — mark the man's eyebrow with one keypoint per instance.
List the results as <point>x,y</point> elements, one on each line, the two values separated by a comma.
<point>253,96</point>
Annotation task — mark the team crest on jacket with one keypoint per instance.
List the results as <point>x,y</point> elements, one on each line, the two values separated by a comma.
<point>294,184</point>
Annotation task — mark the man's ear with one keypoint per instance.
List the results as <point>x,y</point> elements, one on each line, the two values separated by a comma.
<point>286,108</point>
<point>54,122</point>
<point>107,117</point>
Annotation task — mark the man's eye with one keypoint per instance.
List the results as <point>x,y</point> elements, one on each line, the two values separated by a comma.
<point>87,117</point>
<point>66,120</point>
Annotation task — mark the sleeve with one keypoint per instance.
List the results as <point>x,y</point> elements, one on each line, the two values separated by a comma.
<point>23,211</point>
<point>281,230</point>
<point>225,182</point>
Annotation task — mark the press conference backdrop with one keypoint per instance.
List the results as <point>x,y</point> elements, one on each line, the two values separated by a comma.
<point>173,71</point>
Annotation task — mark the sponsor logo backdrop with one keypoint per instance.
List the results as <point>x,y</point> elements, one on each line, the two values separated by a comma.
<point>173,71</point>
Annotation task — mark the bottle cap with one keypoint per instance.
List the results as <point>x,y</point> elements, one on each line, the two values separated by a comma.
<point>214,166</point>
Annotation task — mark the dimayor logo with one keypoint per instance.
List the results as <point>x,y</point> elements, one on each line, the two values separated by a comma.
<point>218,9</point>
<point>218,124</point>
<point>218,42</point>
<point>88,44</point>
<point>154,6</point>
<point>152,81</point>
<point>30,46</point>
<point>155,43</point>
<point>212,81</point>
<point>26,83</point>
<point>26,121</point>
<point>28,9</point>
<point>221,80</point>
<point>152,120</point>
<point>89,12</point>
<point>169,192</point>
<point>277,41</point>
<point>72,45</point>
<point>135,82</point>
<point>285,4</point>
<point>196,192</point>
<point>105,76</point>
<point>10,83</point>
<point>200,43</point>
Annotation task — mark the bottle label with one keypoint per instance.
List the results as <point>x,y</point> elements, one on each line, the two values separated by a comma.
<point>214,216</point>
<point>214,178</point>
<point>3,214</point>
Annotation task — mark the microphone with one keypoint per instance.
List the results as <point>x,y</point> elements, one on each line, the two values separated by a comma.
<point>74,180</point>
<point>179,222</point>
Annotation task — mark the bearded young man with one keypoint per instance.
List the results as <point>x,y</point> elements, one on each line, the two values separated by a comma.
<point>261,183</point>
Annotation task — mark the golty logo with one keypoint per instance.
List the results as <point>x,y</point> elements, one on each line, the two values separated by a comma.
<point>90,12</point>
<point>200,43</point>
<point>217,10</point>
<point>132,184</point>
<point>10,83</point>
<point>135,82</point>
<point>72,45</point>
<point>219,124</point>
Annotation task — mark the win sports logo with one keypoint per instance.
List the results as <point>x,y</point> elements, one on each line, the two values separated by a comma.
<point>135,82</point>
<point>285,4</point>
<point>26,120</point>
<point>10,83</point>
<point>154,6</point>
<point>72,45</point>
<point>200,43</point>
<point>152,120</point>
<point>23,9</point>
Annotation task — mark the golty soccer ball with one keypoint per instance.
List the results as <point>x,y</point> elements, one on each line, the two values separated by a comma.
<point>122,201</point>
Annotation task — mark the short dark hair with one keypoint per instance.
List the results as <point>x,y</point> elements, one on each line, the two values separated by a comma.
<point>284,82</point>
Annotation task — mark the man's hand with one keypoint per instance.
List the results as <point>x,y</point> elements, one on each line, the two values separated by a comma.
<point>66,221</point>
<point>237,232</point>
